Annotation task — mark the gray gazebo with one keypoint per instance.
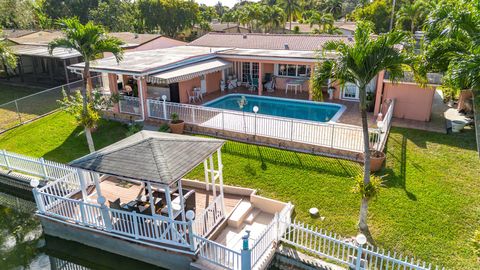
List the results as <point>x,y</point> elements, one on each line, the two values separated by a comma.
<point>157,160</point>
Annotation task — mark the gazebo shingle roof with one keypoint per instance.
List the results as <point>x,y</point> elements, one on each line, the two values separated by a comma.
<point>150,156</point>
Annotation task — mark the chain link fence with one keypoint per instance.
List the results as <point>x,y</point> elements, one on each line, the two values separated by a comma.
<point>26,109</point>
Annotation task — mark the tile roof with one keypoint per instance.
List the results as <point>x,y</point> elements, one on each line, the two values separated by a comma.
<point>133,39</point>
<point>150,156</point>
<point>306,28</point>
<point>266,41</point>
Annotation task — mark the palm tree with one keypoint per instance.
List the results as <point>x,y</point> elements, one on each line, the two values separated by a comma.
<point>452,46</point>
<point>358,64</point>
<point>413,13</point>
<point>292,8</point>
<point>323,20</point>
<point>228,17</point>
<point>7,58</point>
<point>335,7</point>
<point>272,17</point>
<point>90,41</point>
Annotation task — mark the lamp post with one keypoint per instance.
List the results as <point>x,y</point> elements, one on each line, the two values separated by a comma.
<point>164,97</point>
<point>361,240</point>
<point>255,110</point>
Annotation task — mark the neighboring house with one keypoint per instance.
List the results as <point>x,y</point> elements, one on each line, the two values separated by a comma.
<point>218,27</point>
<point>37,65</point>
<point>347,28</point>
<point>209,65</point>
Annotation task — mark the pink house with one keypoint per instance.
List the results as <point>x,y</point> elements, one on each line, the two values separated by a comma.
<point>217,64</point>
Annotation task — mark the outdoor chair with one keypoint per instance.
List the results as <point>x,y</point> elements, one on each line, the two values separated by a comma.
<point>191,98</point>
<point>115,204</point>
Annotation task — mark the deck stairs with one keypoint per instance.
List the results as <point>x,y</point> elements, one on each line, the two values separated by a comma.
<point>244,212</point>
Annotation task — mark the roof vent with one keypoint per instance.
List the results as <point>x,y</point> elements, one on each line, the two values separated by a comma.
<point>244,36</point>
<point>286,46</point>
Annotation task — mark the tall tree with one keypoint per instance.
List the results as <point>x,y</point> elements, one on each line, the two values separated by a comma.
<point>452,46</point>
<point>169,17</point>
<point>323,20</point>
<point>292,9</point>
<point>377,12</point>
<point>91,41</point>
<point>414,14</point>
<point>359,63</point>
<point>57,9</point>
<point>334,7</point>
<point>8,60</point>
<point>17,14</point>
<point>114,15</point>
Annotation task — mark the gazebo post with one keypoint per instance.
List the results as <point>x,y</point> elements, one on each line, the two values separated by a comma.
<point>220,176</point>
<point>182,199</point>
<point>168,197</point>
<point>212,173</point>
<point>150,198</point>
<point>205,168</point>
<point>96,180</point>
<point>81,178</point>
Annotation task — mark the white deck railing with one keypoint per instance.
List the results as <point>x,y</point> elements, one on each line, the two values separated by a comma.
<point>206,221</point>
<point>386,124</point>
<point>130,105</point>
<point>331,135</point>
<point>155,228</point>
<point>218,254</point>
<point>331,246</point>
<point>37,167</point>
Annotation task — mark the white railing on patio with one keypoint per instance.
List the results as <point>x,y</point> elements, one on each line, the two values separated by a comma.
<point>206,221</point>
<point>265,241</point>
<point>331,135</point>
<point>386,124</point>
<point>218,254</point>
<point>331,246</point>
<point>37,167</point>
<point>130,105</point>
<point>156,228</point>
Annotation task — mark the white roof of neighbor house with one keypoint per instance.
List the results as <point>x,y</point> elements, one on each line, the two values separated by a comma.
<point>152,61</point>
<point>190,71</point>
<point>261,53</point>
<point>42,51</point>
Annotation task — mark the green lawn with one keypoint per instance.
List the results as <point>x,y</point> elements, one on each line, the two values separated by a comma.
<point>10,92</point>
<point>430,205</point>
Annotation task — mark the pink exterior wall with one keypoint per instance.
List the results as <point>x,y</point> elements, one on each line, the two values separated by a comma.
<point>411,101</point>
<point>187,85</point>
<point>213,81</point>
<point>112,84</point>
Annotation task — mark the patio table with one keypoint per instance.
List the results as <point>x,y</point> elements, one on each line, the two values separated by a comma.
<point>295,84</point>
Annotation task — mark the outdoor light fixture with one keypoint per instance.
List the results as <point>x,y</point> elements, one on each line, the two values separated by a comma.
<point>255,109</point>
<point>34,183</point>
<point>164,97</point>
<point>361,239</point>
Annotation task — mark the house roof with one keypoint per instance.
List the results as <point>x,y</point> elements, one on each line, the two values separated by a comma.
<point>222,27</point>
<point>151,61</point>
<point>37,38</point>
<point>266,41</point>
<point>42,51</point>
<point>306,28</point>
<point>14,33</point>
<point>42,38</point>
<point>150,156</point>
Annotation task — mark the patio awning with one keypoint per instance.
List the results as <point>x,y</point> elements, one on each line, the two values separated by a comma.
<point>190,71</point>
<point>150,156</point>
<point>42,51</point>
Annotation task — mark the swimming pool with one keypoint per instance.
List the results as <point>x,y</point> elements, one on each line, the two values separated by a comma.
<point>290,108</point>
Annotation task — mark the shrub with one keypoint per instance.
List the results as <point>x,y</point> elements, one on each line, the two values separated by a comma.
<point>370,190</point>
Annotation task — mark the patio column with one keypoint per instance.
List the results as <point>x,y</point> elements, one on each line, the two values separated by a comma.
<point>205,169</point>
<point>182,199</point>
<point>260,78</point>
<point>113,85</point>
<point>142,95</point>
<point>310,93</point>
<point>212,174</point>
<point>150,198</point>
<point>220,176</point>
<point>67,79</point>
<point>96,180</point>
<point>168,197</point>
<point>379,92</point>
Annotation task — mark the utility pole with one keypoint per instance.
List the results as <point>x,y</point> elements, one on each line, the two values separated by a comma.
<point>393,14</point>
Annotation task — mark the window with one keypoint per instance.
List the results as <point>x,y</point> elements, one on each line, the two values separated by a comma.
<point>255,70</point>
<point>245,71</point>
<point>293,70</point>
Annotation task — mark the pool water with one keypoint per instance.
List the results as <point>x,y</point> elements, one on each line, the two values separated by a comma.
<point>290,108</point>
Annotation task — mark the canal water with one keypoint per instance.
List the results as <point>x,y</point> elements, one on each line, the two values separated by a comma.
<point>24,246</point>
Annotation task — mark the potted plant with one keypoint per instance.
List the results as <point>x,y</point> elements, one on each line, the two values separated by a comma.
<point>376,160</point>
<point>176,125</point>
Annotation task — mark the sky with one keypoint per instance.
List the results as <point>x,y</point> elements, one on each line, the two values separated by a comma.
<point>228,3</point>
